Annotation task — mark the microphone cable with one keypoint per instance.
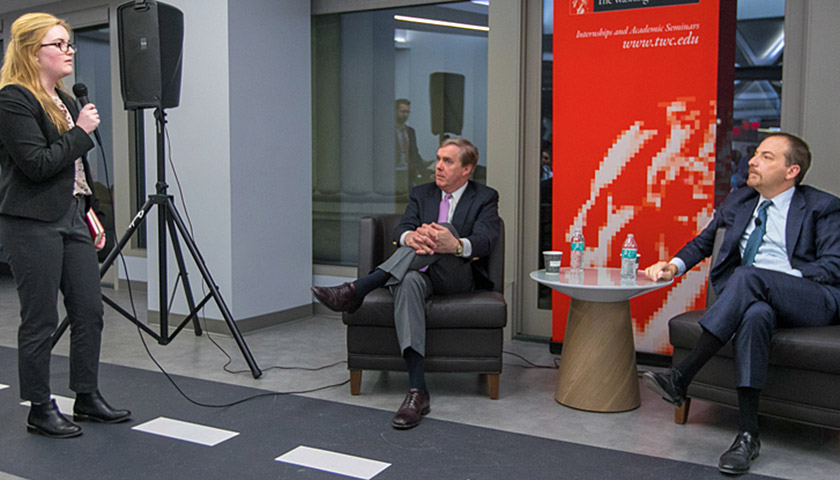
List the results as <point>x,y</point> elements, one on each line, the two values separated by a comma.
<point>171,380</point>
<point>203,317</point>
<point>209,337</point>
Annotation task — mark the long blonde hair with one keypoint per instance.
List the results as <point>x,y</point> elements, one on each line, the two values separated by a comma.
<point>20,67</point>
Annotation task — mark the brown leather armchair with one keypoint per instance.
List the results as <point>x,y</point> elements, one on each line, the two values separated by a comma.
<point>464,333</point>
<point>803,382</point>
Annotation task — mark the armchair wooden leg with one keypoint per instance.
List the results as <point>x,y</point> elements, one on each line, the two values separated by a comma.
<point>493,386</point>
<point>681,414</point>
<point>355,382</point>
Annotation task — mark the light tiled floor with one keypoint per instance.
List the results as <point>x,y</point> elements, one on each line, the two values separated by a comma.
<point>526,404</point>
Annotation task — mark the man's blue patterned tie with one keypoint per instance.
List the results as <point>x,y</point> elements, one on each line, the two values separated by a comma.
<point>757,234</point>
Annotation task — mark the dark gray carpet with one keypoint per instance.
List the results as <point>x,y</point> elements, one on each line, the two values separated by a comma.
<point>272,426</point>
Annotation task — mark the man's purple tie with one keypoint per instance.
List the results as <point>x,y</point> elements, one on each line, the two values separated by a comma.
<point>443,213</point>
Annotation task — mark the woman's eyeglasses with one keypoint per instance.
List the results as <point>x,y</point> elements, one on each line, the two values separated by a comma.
<point>63,46</point>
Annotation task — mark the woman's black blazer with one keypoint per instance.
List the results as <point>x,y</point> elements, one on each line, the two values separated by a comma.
<point>37,162</point>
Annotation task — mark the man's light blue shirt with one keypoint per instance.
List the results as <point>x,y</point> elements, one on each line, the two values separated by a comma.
<point>772,252</point>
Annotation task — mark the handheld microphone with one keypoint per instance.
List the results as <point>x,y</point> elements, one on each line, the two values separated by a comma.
<point>81,93</point>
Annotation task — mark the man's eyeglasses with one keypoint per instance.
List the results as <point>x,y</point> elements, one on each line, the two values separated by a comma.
<point>63,46</point>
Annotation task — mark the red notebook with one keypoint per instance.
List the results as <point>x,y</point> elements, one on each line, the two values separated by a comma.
<point>95,227</point>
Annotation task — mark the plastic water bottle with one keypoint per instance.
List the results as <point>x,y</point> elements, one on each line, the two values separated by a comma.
<point>628,258</point>
<point>576,257</point>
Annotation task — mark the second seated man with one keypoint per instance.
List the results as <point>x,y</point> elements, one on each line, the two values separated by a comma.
<point>778,267</point>
<point>446,224</point>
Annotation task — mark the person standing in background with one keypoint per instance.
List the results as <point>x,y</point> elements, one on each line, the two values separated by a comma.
<point>406,156</point>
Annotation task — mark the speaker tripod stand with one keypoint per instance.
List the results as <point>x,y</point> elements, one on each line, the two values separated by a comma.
<point>170,222</point>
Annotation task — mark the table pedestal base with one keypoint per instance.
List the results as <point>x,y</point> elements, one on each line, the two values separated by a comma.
<point>598,361</point>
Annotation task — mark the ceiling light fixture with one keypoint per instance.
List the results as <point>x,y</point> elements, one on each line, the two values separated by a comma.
<point>441,23</point>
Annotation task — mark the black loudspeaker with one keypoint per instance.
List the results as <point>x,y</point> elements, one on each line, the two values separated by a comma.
<point>151,40</point>
<point>446,95</point>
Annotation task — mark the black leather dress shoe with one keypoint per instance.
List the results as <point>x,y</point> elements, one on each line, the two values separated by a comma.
<point>665,384</point>
<point>338,299</point>
<point>45,419</point>
<point>740,455</point>
<point>91,407</point>
<point>415,405</point>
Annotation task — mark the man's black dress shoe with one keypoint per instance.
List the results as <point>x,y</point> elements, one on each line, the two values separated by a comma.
<point>665,384</point>
<point>338,299</point>
<point>47,420</point>
<point>415,405</point>
<point>91,407</point>
<point>740,455</point>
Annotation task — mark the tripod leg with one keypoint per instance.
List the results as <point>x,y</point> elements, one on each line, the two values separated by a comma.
<point>214,291</point>
<point>139,218</point>
<point>182,268</point>
<point>163,305</point>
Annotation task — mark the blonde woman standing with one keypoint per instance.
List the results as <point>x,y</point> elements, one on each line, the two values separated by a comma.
<point>45,192</point>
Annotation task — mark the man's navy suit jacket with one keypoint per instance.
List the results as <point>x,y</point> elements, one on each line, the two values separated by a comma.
<point>812,237</point>
<point>476,218</point>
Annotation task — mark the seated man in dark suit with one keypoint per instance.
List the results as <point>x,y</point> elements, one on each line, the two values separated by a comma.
<point>778,266</point>
<point>445,225</point>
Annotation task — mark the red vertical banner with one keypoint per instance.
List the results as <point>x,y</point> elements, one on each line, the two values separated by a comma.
<point>635,108</point>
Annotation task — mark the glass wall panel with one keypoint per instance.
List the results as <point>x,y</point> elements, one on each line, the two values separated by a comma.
<point>92,66</point>
<point>388,86</point>
<point>546,161</point>
<point>757,109</point>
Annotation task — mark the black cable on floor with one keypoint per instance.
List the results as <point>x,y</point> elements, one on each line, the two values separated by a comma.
<point>530,363</point>
<point>224,367</point>
<point>202,317</point>
<point>184,394</point>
